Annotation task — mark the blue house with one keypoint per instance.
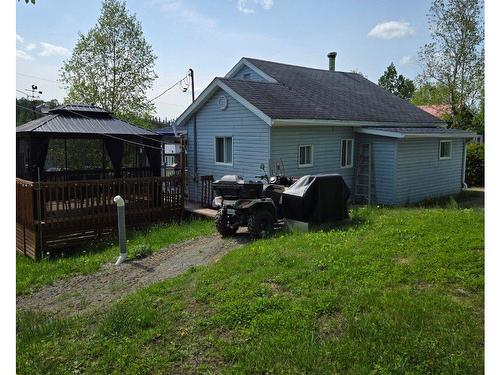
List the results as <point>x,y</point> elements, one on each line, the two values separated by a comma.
<point>313,121</point>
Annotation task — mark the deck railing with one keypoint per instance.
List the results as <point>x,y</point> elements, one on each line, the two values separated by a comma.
<point>61,213</point>
<point>94,174</point>
<point>206,190</point>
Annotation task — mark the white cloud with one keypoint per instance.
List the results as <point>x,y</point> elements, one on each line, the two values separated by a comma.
<point>248,6</point>
<point>52,50</point>
<point>19,38</point>
<point>21,55</point>
<point>30,46</point>
<point>186,14</point>
<point>406,60</point>
<point>392,30</point>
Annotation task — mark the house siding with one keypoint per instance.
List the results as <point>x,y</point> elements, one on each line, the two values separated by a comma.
<point>326,150</point>
<point>384,166</point>
<point>250,141</point>
<point>420,174</point>
<point>254,76</point>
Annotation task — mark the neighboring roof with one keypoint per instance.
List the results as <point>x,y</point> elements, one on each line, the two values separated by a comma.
<point>85,119</point>
<point>416,132</point>
<point>298,93</point>
<point>438,110</point>
<point>168,130</point>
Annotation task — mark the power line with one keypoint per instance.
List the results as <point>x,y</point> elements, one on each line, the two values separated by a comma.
<point>107,135</point>
<point>22,92</point>
<point>183,89</point>
<point>36,77</point>
<point>170,88</point>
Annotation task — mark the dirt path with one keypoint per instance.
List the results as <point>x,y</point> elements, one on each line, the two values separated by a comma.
<point>83,294</point>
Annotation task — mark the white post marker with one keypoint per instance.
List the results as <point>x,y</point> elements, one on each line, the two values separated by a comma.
<point>122,236</point>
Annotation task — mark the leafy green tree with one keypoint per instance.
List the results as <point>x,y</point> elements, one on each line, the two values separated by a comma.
<point>112,65</point>
<point>396,84</point>
<point>430,94</point>
<point>454,57</point>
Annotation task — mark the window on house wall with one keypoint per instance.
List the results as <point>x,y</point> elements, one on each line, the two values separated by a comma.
<point>346,153</point>
<point>246,76</point>
<point>445,150</point>
<point>224,150</point>
<point>305,156</point>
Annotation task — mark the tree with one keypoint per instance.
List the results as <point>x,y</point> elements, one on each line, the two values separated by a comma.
<point>112,65</point>
<point>25,109</point>
<point>430,94</point>
<point>455,56</point>
<point>397,85</point>
<point>359,72</point>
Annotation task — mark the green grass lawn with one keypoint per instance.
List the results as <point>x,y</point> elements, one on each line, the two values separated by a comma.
<point>31,275</point>
<point>398,291</point>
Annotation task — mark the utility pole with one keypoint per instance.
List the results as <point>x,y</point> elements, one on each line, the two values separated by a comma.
<point>195,138</point>
<point>34,90</point>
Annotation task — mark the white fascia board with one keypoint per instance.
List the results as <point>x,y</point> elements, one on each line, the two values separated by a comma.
<point>243,62</point>
<point>207,93</point>
<point>199,101</point>
<point>301,122</point>
<point>439,135</point>
<point>392,134</point>
<point>235,68</point>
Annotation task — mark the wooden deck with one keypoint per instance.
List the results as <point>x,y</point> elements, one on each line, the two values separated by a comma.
<point>199,210</point>
<point>54,215</point>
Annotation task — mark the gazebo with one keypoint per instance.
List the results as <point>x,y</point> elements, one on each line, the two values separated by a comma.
<point>69,166</point>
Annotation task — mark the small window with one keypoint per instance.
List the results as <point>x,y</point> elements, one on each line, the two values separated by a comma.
<point>305,156</point>
<point>169,160</point>
<point>224,150</point>
<point>346,153</point>
<point>445,150</point>
<point>246,76</point>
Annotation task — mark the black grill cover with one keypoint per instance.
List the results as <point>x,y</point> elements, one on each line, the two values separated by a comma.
<point>317,199</point>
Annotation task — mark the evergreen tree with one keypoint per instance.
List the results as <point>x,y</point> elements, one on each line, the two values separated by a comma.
<point>396,84</point>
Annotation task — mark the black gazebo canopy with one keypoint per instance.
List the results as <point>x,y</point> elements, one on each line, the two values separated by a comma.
<point>82,121</point>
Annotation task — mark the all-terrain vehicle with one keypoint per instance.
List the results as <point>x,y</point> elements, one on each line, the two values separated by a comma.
<point>252,204</point>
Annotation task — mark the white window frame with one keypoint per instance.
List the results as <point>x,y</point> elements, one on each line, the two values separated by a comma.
<point>169,160</point>
<point>342,152</point>
<point>224,142</point>
<point>312,157</point>
<point>440,145</point>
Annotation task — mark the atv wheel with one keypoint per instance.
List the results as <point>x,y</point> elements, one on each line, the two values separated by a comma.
<point>222,224</point>
<point>260,224</point>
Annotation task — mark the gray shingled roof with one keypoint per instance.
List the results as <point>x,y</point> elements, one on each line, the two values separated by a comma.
<point>307,93</point>
<point>81,119</point>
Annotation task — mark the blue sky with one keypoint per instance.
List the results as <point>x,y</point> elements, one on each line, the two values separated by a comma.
<point>211,36</point>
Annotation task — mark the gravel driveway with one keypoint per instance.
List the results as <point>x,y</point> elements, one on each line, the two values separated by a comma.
<point>83,294</point>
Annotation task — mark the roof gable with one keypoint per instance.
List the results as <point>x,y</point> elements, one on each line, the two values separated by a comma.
<point>245,63</point>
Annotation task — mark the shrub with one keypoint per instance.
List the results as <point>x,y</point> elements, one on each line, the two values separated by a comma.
<point>140,251</point>
<point>474,172</point>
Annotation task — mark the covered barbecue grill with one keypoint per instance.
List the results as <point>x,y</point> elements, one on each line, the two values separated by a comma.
<point>317,199</point>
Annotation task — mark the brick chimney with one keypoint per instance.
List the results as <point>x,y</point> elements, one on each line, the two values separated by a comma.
<point>331,60</point>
